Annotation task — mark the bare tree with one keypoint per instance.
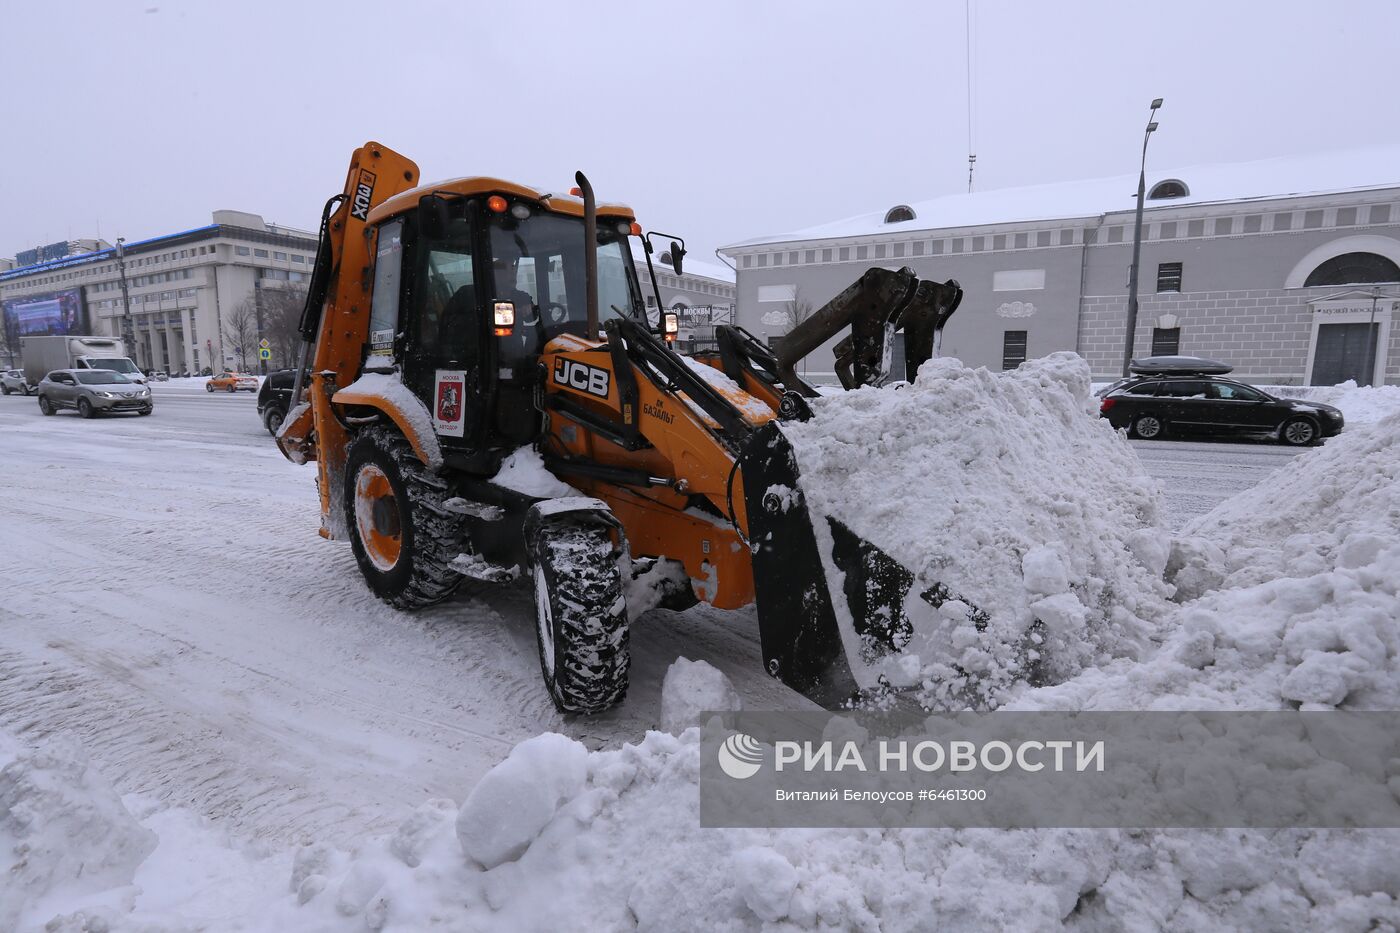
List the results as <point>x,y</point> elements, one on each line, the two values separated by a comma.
<point>798,309</point>
<point>239,327</point>
<point>281,313</point>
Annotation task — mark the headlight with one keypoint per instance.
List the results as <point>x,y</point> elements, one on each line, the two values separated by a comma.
<point>671,324</point>
<point>105,394</point>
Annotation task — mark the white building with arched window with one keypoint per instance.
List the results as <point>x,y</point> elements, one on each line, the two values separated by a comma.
<point>1287,268</point>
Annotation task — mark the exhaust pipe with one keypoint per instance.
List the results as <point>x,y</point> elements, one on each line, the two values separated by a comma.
<point>590,253</point>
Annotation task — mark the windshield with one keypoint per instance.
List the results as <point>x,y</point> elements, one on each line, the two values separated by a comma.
<point>537,263</point>
<point>101,377</point>
<point>121,364</point>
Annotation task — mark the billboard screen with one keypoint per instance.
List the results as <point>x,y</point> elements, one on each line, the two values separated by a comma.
<point>47,315</point>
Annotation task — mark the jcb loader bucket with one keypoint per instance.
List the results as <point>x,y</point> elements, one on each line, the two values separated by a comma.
<point>831,605</point>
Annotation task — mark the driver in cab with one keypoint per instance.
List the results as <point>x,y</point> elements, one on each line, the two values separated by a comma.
<point>505,265</point>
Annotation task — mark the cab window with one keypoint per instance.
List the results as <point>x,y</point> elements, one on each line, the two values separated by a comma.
<point>447,310</point>
<point>384,303</point>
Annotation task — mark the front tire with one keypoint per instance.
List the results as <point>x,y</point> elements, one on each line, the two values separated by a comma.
<point>1298,432</point>
<point>208,388</point>
<point>1148,427</point>
<point>403,539</point>
<point>85,408</point>
<point>45,406</point>
<point>5,389</point>
<point>580,615</point>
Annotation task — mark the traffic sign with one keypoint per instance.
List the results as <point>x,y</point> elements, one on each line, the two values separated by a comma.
<point>263,343</point>
<point>264,354</point>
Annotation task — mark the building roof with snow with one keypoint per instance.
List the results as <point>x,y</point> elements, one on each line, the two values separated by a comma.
<point>1265,179</point>
<point>689,267</point>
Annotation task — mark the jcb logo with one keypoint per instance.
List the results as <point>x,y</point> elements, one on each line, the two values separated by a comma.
<point>578,375</point>
<point>364,195</point>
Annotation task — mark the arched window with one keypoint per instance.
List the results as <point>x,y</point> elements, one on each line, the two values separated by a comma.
<point>1354,269</point>
<point>899,214</point>
<point>1171,188</point>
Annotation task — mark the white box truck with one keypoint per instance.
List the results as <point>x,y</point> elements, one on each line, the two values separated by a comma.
<point>43,355</point>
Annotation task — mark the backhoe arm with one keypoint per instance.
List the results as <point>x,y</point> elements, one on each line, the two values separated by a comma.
<point>876,305</point>
<point>335,321</point>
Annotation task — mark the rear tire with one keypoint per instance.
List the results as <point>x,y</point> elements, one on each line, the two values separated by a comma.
<point>1148,427</point>
<point>1298,432</point>
<point>272,420</point>
<point>232,389</point>
<point>403,539</point>
<point>45,406</point>
<point>85,408</point>
<point>580,615</point>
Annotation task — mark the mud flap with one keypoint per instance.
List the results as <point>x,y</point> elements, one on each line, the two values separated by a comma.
<point>816,641</point>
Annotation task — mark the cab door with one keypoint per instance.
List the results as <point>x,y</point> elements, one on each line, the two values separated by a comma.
<point>431,284</point>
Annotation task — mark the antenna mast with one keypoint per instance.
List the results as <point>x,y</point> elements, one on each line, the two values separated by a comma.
<point>971,139</point>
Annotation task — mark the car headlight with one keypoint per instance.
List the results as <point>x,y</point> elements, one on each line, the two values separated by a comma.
<point>105,394</point>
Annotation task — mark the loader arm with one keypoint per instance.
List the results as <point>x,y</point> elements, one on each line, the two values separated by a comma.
<point>698,470</point>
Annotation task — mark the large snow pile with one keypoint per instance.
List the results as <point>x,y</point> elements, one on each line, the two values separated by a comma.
<point>1291,591</point>
<point>64,832</point>
<point>1359,404</point>
<point>1008,489</point>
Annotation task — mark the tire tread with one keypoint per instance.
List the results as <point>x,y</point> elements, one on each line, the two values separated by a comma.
<point>585,588</point>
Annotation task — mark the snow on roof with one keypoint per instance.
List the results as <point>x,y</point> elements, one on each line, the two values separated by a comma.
<point>1286,176</point>
<point>705,270</point>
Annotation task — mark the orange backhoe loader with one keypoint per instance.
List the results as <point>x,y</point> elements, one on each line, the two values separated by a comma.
<point>487,400</point>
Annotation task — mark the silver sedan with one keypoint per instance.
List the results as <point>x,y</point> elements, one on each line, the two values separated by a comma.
<point>90,391</point>
<point>12,380</point>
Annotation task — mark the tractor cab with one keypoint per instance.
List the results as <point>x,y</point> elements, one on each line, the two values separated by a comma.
<point>471,279</point>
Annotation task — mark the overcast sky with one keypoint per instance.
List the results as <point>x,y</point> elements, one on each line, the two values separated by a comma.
<point>719,121</point>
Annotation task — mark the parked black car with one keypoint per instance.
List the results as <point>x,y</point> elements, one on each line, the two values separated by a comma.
<point>275,397</point>
<point>1190,396</point>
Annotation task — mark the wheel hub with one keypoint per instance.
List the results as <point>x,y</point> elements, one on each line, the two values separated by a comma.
<point>377,517</point>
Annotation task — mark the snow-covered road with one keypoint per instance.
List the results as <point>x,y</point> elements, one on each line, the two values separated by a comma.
<point>166,597</point>
<point>1197,476</point>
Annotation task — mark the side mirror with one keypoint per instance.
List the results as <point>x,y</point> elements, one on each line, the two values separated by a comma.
<point>677,256</point>
<point>432,216</point>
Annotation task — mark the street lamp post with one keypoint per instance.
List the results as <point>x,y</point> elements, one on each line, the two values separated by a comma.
<point>1137,244</point>
<point>128,336</point>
